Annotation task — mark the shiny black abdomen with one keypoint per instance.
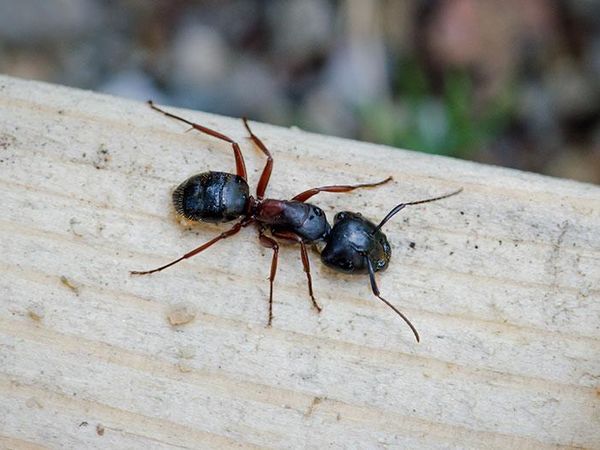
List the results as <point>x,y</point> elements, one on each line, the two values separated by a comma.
<point>351,240</point>
<point>212,197</point>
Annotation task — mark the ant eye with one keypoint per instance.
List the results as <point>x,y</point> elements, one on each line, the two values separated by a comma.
<point>339,216</point>
<point>380,264</point>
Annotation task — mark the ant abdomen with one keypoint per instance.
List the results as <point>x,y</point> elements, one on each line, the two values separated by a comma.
<point>212,197</point>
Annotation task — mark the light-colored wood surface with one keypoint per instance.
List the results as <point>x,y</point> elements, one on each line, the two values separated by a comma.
<point>503,284</point>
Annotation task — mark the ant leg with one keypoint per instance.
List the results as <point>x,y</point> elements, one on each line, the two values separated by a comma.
<point>239,159</point>
<point>266,174</point>
<point>272,244</point>
<point>233,230</point>
<point>303,196</point>
<point>375,290</point>
<point>305,261</point>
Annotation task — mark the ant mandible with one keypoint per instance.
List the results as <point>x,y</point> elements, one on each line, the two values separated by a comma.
<point>222,197</point>
<point>357,245</point>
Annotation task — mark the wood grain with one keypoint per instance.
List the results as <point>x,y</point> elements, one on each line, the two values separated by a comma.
<point>502,282</point>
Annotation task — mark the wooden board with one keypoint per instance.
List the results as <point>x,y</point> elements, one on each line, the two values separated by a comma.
<point>502,281</point>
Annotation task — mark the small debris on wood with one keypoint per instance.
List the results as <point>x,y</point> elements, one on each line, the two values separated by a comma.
<point>72,223</point>
<point>36,312</point>
<point>102,158</point>
<point>184,368</point>
<point>83,424</point>
<point>185,353</point>
<point>181,313</point>
<point>68,283</point>
<point>316,401</point>
<point>7,140</point>
<point>100,429</point>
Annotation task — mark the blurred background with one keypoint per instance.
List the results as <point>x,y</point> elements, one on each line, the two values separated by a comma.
<point>511,82</point>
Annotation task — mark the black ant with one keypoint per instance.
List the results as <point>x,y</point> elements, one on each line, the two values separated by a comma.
<point>222,197</point>
<point>357,245</point>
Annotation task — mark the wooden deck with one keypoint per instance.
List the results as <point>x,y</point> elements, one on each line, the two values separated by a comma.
<point>502,282</point>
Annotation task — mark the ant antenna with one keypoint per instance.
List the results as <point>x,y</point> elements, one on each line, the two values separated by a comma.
<point>401,206</point>
<point>376,292</point>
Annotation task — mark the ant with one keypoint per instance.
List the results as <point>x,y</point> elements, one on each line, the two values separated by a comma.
<point>357,245</point>
<point>222,197</point>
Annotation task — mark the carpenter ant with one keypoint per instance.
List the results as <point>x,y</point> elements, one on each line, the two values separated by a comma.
<point>357,245</point>
<point>223,197</point>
